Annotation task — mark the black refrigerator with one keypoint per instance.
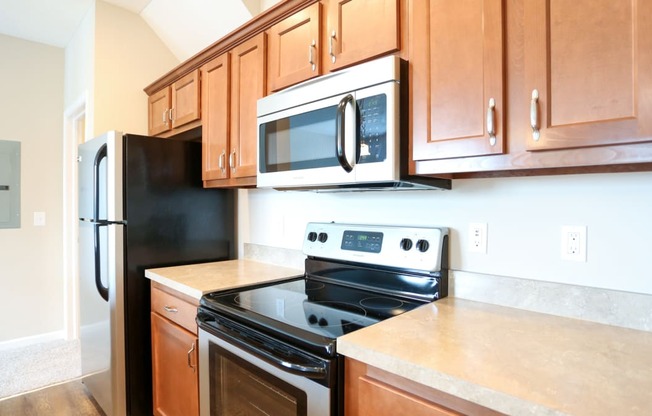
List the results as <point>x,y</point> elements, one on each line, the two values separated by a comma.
<point>141,205</point>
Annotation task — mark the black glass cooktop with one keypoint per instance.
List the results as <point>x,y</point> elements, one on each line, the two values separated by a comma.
<point>306,305</point>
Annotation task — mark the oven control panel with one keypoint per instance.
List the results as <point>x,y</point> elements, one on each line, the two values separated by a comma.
<point>418,248</point>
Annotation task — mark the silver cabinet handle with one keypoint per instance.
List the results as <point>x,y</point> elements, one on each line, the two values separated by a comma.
<point>311,58</point>
<point>170,309</point>
<point>171,115</point>
<point>192,348</point>
<point>165,116</point>
<point>232,160</point>
<point>491,127</point>
<point>330,46</point>
<point>534,114</point>
<point>222,160</point>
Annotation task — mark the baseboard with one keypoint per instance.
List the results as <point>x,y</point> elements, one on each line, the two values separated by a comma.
<point>31,340</point>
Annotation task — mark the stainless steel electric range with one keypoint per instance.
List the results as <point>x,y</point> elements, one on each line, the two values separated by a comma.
<point>271,349</point>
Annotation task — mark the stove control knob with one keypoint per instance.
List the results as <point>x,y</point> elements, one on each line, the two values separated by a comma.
<point>312,319</point>
<point>322,237</point>
<point>323,322</point>
<point>423,245</point>
<point>406,244</point>
<point>312,236</point>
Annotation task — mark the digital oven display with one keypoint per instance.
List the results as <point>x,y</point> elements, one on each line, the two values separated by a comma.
<point>366,241</point>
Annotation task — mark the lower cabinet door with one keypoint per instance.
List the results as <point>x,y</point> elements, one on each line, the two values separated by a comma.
<point>175,376</point>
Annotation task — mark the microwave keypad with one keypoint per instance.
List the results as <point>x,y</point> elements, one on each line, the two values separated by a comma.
<point>372,113</point>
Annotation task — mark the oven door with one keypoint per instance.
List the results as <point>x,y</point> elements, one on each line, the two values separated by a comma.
<point>236,376</point>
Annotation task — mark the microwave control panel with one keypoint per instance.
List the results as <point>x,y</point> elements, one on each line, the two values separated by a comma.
<point>372,116</point>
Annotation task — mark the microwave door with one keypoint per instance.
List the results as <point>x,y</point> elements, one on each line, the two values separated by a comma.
<point>297,147</point>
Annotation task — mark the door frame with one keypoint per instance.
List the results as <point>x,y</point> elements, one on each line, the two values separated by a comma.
<point>76,128</point>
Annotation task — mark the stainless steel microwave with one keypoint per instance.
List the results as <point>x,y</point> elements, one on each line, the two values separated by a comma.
<point>341,131</point>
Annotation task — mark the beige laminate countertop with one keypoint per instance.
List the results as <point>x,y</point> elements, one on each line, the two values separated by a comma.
<point>197,279</point>
<point>511,360</point>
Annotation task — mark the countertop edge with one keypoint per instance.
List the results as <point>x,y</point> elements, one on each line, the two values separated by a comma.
<point>173,284</point>
<point>446,383</point>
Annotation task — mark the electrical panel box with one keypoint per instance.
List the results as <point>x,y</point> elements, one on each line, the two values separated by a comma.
<point>9,184</point>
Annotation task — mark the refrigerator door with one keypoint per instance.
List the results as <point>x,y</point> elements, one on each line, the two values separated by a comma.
<point>101,271</point>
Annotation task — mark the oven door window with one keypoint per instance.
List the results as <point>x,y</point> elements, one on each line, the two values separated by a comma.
<point>240,388</point>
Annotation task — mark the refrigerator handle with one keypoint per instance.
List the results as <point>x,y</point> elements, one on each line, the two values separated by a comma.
<point>101,289</point>
<point>101,154</point>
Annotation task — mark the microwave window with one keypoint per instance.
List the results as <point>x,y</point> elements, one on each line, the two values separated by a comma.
<point>302,141</point>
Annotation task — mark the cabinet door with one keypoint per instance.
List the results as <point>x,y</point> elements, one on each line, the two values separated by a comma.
<point>185,100</point>
<point>380,399</point>
<point>456,54</point>
<point>158,105</point>
<point>247,86</point>
<point>175,376</point>
<point>215,118</point>
<point>358,30</point>
<point>589,62</point>
<point>293,51</point>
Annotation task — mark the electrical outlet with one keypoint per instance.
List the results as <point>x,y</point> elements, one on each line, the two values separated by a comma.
<point>573,243</point>
<point>478,237</point>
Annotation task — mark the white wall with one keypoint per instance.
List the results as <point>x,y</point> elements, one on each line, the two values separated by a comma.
<point>128,57</point>
<point>31,109</point>
<point>524,217</point>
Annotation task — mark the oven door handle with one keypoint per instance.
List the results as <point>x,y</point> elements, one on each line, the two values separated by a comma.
<point>304,370</point>
<point>260,350</point>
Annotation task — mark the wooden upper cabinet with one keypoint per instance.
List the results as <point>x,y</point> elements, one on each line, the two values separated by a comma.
<point>172,109</point>
<point>456,52</point>
<point>247,86</point>
<point>158,105</point>
<point>185,100</point>
<point>215,77</point>
<point>358,30</point>
<point>589,62</point>
<point>294,49</point>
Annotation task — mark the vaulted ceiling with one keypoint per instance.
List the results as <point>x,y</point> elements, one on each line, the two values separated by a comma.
<point>186,27</point>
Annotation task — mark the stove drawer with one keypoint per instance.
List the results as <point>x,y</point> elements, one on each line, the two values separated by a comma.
<point>170,305</point>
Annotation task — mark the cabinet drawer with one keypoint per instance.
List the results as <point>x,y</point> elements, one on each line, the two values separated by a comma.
<point>177,310</point>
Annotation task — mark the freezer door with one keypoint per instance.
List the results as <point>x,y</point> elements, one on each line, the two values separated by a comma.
<point>100,178</point>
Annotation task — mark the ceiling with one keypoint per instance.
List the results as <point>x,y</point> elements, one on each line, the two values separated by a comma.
<point>186,27</point>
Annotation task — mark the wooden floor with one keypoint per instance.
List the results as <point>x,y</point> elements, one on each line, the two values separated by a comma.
<point>69,399</point>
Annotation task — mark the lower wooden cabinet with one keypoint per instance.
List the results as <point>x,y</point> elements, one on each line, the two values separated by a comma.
<point>175,376</point>
<point>371,391</point>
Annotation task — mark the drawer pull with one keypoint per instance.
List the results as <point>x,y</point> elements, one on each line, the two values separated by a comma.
<point>170,309</point>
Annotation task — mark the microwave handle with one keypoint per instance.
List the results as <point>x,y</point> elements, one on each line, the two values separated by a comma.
<point>341,136</point>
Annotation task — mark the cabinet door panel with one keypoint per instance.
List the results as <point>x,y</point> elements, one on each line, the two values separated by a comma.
<point>175,382</point>
<point>363,29</point>
<point>294,48</point>
<point>215,118</point>
<point>185,100</point>
<point>457,71</point>
<point>585,60</point>
<point>380,399</point>
<point>247,86</point>
<point>158,105</point>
